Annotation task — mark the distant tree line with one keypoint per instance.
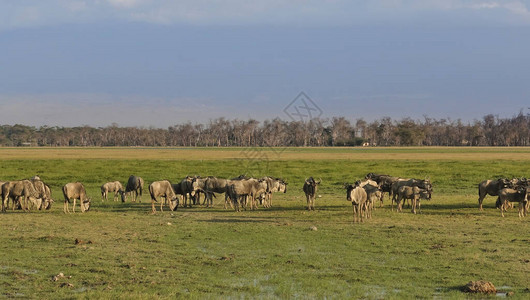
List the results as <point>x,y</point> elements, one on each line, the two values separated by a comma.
<point>337,131</point>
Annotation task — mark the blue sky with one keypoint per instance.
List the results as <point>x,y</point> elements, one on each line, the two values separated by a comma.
<point>160,63</point>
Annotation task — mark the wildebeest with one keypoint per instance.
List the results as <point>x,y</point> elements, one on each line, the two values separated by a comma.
<point>423,184</point>
<point>164,189</point>
<point>310,189</point>
<point>384,182</point>
<point>134,184</point>
<point>492,188</point>
<point>186,186</point>
<point>373,194</point>
<point>510,195</point>
<point>75,190</point>
<point>20,191</point>
<point>246,190</point>
<point>44,192</point>
<point>358,197</point>
<point>112,187</point>
<point>407,192</point>
<point>273,185</point>
<point>214,185</point>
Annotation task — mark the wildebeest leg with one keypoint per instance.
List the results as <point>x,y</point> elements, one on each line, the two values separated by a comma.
<point>65,206</point>
<point>308,202</point>
<point>153,209</point>
<point>480,199</point>
<point>73,207</point>
<point>413,205</point>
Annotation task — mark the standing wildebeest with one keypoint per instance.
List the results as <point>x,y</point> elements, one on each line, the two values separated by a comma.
<point>75,190</point>
<point>424,184</point>
<point>384,182</point>
<point>310,189</point>
<point>358,197</point>
<point>211,185</point>
<point>21,191</point>
<point>407,192</point>
<point>238,190</point>
<point>510,195</point>
<point>112,187</point>
<point>216,185</point>
<point>163,189</point>
<point>273,185</point>
<point>373,193</point>
<point>136,185</point>
<point>186,185</point>
<point>491,187</point>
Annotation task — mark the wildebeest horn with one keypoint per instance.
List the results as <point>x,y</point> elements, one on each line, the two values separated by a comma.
<point>319,181</point>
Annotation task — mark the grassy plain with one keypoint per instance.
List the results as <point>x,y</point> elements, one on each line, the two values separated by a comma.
<point>268,253</point>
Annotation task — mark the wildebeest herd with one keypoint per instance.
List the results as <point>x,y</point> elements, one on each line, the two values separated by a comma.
<point>242,192</point>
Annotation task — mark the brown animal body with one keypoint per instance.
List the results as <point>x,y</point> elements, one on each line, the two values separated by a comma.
<point>491,187</point>
<point>164,189</point>
<point>310,189</point>
<point>44,192</point>
<point>246,190</point>
<point>214,185</point>
<point>20,191</point>
<point>112,187</point>
<point>384,182</point>
<point>274,185</point>
<point>520,195</point>
<point>74,191</point>
<point>186,186</point>
<point>407,192</point>
<point>423,184</point>
<point>373,194</point>
<point>134,184</point>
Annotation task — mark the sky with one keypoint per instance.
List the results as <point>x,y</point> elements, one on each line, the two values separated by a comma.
<point>157,63</point>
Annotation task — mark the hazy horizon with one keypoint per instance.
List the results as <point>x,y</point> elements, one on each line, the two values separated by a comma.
<point>160,63</point>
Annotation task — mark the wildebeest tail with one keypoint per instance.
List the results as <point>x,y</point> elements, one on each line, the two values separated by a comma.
<point>65,194</point>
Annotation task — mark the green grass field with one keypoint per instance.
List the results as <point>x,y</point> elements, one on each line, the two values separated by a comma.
<point>269,253</point>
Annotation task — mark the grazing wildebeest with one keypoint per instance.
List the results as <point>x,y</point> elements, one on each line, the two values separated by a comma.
<point>511,195</point>
<point>22,192</point>
<point>238,190</point>
<point>310,189</point>
<point>112,187</point>
<point>492,188</point>
<point>163,188</point>
<point>358,197</point>
<point>44,192</point>
<point>186,185</point>
<point>134,184</point>
<point>273,185</point>
<point>197,184</point>
<point>75,190</point>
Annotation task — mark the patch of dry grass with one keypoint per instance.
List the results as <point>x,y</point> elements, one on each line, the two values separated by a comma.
<point>342,153</point>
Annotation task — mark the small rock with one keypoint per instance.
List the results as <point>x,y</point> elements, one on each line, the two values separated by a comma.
<point>313,228</point>
<point>480,286</point>
<point>169,224</point>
